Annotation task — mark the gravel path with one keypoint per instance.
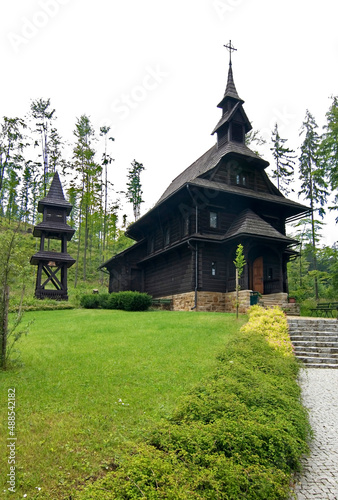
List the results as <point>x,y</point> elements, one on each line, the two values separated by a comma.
<point>319,480</point>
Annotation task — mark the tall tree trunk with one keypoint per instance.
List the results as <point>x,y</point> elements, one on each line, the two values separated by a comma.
<point>4,325</point>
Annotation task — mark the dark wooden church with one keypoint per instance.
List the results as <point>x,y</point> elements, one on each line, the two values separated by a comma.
<point>52,258</point>
<point>186,244</point>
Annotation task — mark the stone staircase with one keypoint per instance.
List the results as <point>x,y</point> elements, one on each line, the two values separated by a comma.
<point>315,341</point>
<point>281,300</point>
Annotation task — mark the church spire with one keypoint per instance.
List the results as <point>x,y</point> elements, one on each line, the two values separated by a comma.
<point>230,90</point>
<point>234,123</point>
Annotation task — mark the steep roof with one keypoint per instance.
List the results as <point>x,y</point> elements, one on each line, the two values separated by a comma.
<point>207,162</point>
<point>230,90</point>
<point>249,223</point>
<point>55,196</point>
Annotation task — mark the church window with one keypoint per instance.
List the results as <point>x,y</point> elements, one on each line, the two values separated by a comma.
<point>213,269</point>
<point>151,244</point>
<point>213,220</point>
<point>186,225</point>
<point>167,236</point>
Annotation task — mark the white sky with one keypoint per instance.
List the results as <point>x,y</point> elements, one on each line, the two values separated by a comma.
<point>155,71</point>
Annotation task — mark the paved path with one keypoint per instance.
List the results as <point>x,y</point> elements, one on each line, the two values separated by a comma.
<point>319,480</point>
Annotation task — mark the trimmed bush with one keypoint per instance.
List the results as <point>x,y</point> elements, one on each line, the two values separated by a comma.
<point>238,435</point>
<point>133,301</point>
<point>126,301</point>
<point>113,301</point>
<point>103,300</point>
<point>89,301</point>
<point>272,325</point>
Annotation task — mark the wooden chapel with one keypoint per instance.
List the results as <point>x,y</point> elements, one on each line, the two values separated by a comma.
<point>185,245</point>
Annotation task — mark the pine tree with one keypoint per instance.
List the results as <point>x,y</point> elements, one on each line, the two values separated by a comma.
<point>312,175</point>
<point>329,149</point>
<point>106,160</point>
<point>284,161</point>
<point>88,185</point>
<point>12,146</point>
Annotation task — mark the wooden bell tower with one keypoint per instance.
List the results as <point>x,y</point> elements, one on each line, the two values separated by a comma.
<point>52,259</point>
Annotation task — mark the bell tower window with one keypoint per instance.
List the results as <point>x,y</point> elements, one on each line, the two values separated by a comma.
<point>237,133</point>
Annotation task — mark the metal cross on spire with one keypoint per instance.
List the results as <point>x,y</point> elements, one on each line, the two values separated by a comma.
<point>230,48</point>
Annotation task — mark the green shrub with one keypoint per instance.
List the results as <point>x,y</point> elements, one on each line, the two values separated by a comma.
<point>306,306</point>
<point>103,300</point>
<point>89,301</point>
<point>113,302</point>
<point>133,301</point>
<point>238,435</point>
<point>273,325</point>
<point>127,301</point>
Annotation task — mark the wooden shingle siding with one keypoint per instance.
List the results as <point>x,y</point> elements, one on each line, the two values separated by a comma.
<point>170,274</point>
<point>208,255</point>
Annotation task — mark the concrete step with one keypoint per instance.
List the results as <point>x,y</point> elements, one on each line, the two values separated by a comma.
<point>317,360</point>
<point>315,341</point>
<point>317,354</point>
<point>321,365</point>
<point>318,337</point>
<point>308,322</point>
<point>320,346</point>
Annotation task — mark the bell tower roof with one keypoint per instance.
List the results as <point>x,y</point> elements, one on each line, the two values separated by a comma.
<point>230,90</point>
<point>55,197</point>
<point>234,123</point>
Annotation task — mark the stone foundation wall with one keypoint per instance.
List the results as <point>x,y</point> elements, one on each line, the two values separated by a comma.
<point>210,301</point>
<point>243,299</point>
<point>182,301</point>
<point>226,302</point>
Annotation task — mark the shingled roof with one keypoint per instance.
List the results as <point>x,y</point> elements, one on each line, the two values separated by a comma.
<point>249,223</point>
<point>55,196</point>
<point>207,162</point>
<point>230,90</point>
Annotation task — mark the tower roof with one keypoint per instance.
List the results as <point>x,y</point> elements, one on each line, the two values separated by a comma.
<point>230,90</point>
<point>55,196</point>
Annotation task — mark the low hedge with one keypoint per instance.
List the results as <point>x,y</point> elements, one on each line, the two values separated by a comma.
<point>125,301</point>
<point>239,434</point>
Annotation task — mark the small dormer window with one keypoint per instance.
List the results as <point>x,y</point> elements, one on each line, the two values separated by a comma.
<point>213,268</point>
<point>213,220</point>
<point>167,236</point>
<point>186,225</point>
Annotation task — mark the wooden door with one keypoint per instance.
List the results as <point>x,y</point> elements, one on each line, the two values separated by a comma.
<point>257,271</point>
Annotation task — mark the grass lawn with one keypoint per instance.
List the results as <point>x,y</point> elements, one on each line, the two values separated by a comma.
<point>93,380</point>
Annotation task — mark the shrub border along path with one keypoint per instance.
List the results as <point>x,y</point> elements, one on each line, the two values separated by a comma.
<point>238,435</point>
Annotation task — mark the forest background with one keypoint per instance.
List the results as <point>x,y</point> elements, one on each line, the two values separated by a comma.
<point>31,150</point>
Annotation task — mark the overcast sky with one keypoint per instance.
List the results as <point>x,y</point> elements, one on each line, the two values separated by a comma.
<point>155,71</point>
